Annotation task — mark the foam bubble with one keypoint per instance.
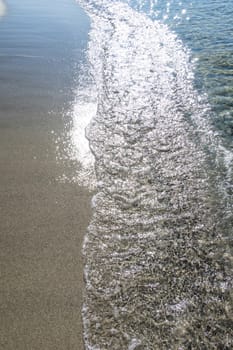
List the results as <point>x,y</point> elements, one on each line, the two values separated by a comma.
<point>83,112</point>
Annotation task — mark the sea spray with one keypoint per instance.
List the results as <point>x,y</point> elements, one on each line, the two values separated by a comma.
<point>158,265</point>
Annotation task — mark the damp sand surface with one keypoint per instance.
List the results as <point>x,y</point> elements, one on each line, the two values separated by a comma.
<point>42,227</point>
<point>42,219</point>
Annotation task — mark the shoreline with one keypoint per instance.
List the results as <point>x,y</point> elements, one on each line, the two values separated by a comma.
<point>43,219</point>
<point>43,223</point>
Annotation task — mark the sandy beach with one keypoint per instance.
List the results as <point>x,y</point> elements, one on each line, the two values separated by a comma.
<point>42,228</point>
<point>42,219</point>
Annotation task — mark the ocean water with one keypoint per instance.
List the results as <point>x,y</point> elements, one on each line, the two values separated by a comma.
<point>40,45</point>
<point>156,101</point>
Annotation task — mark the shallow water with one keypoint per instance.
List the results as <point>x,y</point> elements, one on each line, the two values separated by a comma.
<point>209,34</point>
<point>158,257</point>
<point>40,47</point>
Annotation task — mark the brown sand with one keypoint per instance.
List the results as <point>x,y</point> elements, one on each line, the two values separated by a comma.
<point>42,223</point>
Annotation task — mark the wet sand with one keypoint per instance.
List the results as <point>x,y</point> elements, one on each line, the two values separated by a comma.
<point>42,227</point>
<point>42,219</point>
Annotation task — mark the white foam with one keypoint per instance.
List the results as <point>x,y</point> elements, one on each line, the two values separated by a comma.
<point>83,113</point>
<point>84,109</point>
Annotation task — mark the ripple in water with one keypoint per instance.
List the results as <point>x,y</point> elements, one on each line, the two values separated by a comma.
<point>158,258</point>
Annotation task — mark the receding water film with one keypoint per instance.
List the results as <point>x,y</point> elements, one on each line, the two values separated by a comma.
<point>158,251</point>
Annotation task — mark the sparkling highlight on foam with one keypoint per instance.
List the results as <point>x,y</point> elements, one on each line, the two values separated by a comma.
<point>158,265</point>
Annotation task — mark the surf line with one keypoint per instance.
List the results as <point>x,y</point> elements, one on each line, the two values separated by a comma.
<point>153,268</point>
